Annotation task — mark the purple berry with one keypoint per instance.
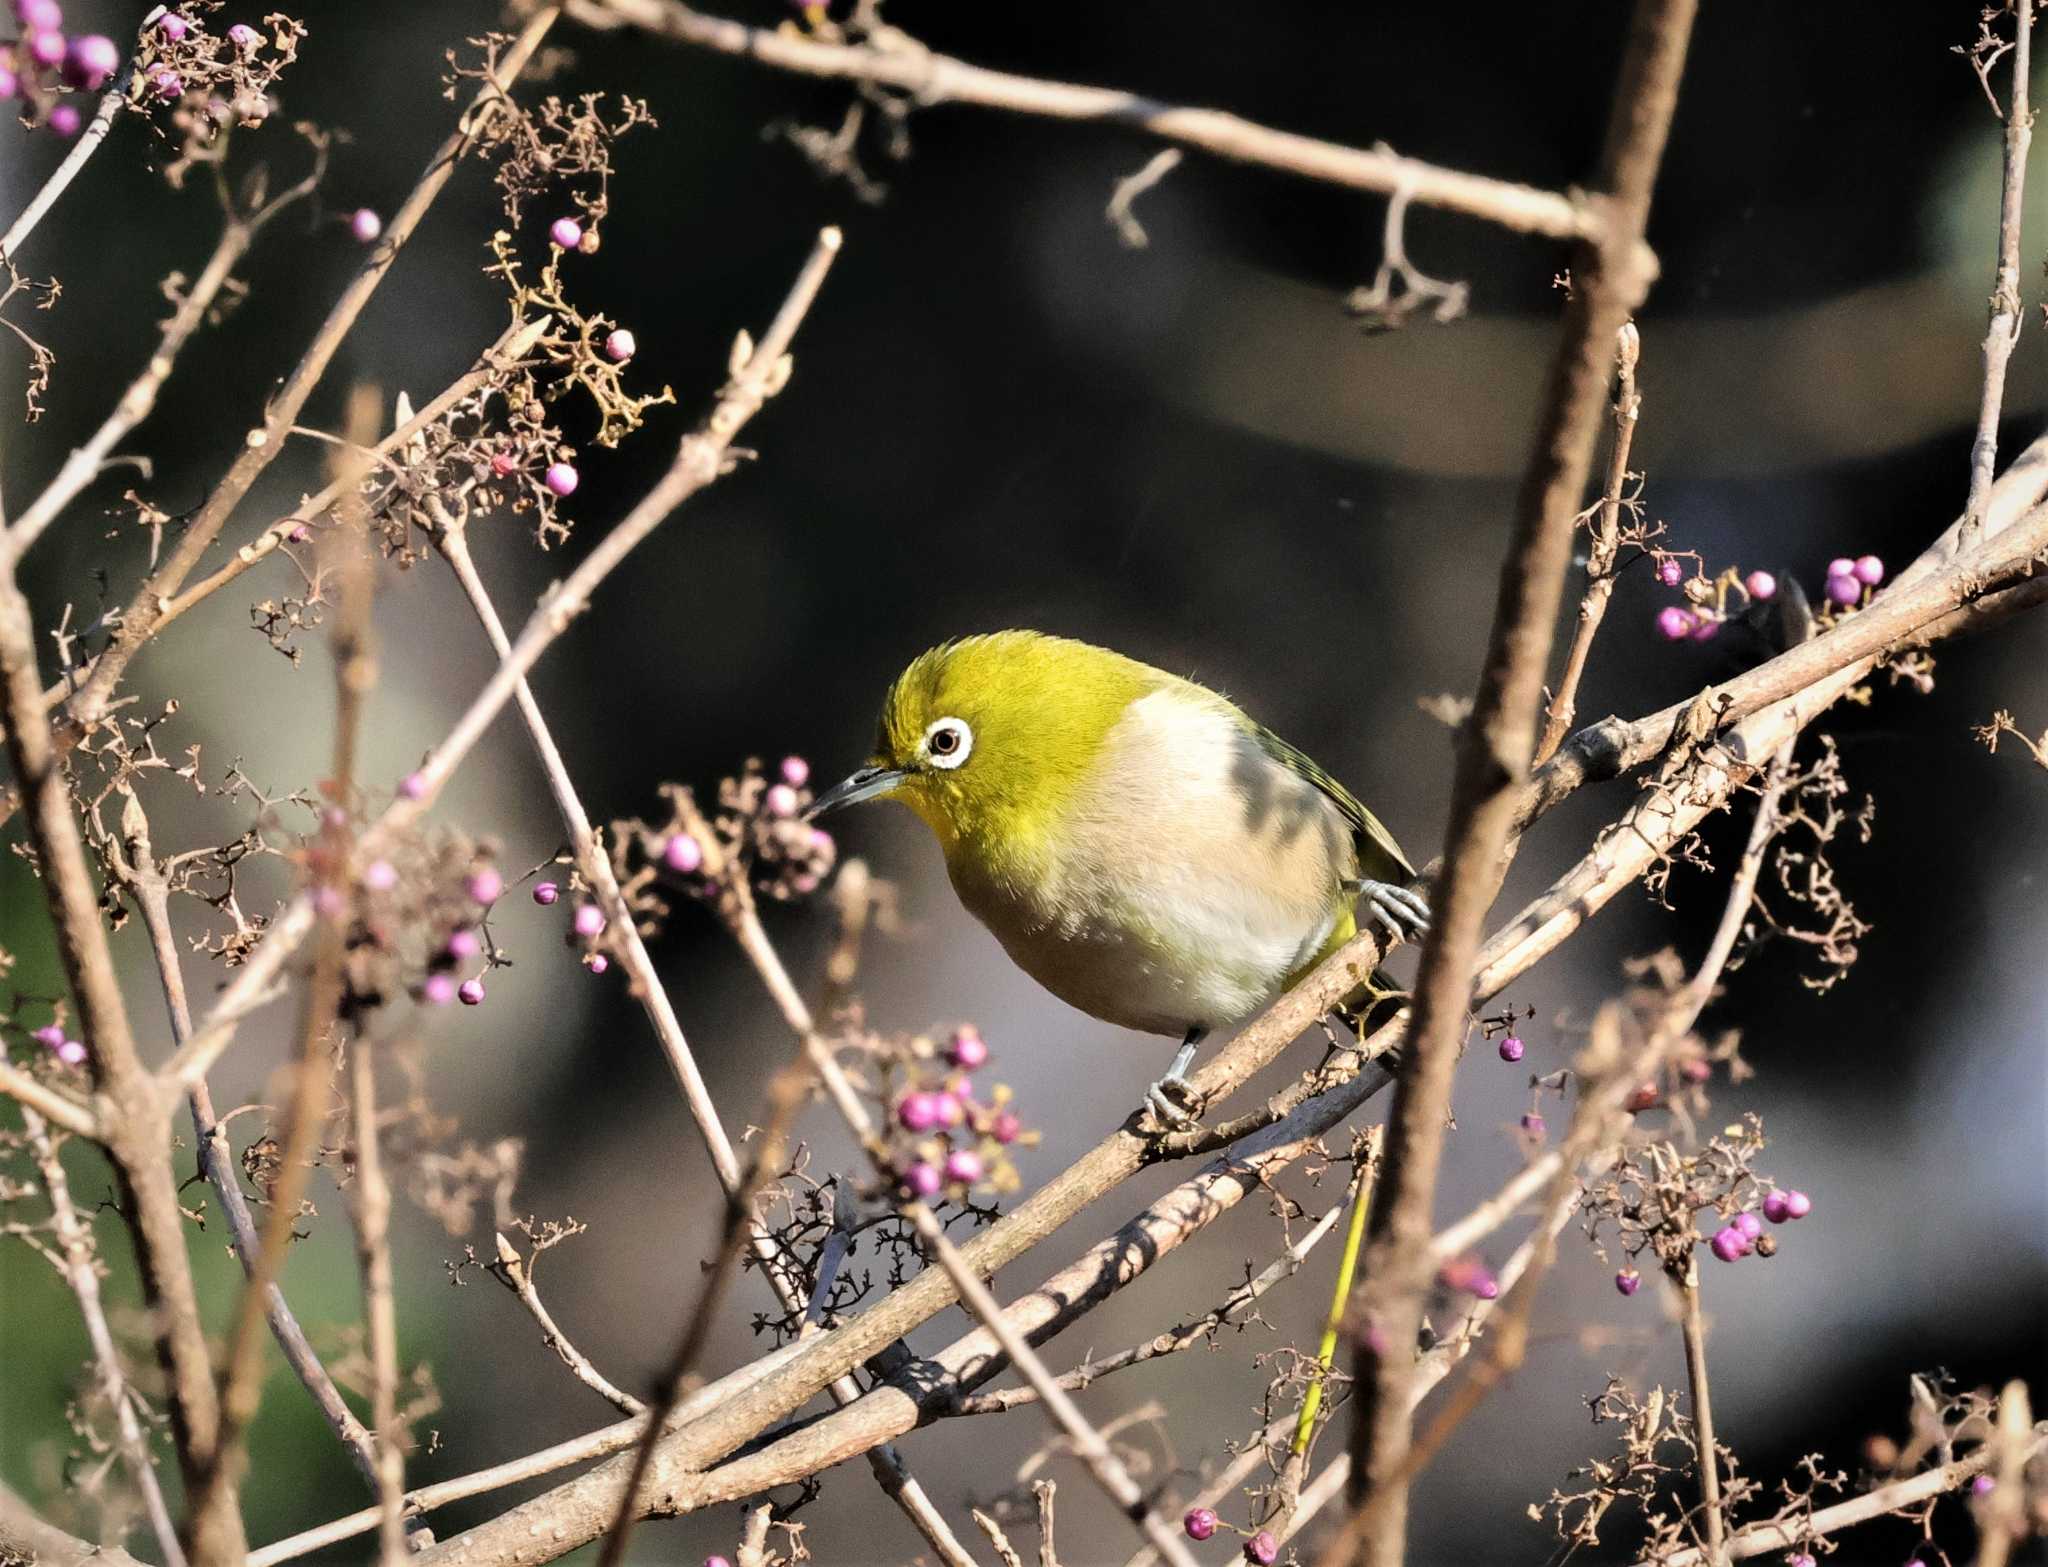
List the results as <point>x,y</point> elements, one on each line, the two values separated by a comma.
<point>780,800</point>
<point>439,990</point>
<point>167,85</point>
<point>244,37</point>
<point>1844,590</point>
<point>1200,1523</point>
<point>796,772</point>
<point>963,1165</point>
<point>716,1561</point>
<point>1708,628</point>
<point>967,1048</point>
<point>49,1035</point>
<point>172,26</point>
<point>1468,1276</point>
<point>39,15</point>
<point>10,84</point>
<point>565,233</point>
<point>72,1052</point>
<point>413,786</point>
<point>1798,1204</point>
<point>1777,1207</point>
<point>1761,585</point>
<point>1674,624</point>
<point>65,119</point>
<point>918,1112</point>
<point>682,853</point>
<point>380,876</point>
<point>1696,1069</point>
<point>464,943</point>
<point>47,48</point>
<point>1511,1048</point>
<point>1670,572</point>
<point>365,225</point>
<point>1730,1244</point>
<point>588,920</point>
<point>485,885</point>
<point>1750,1225</point>
<point>1983,1485</point>
<point>598,962</point>
<point>1262,1548</point>
<point>922,1179</point>
<point>471,992</point>
<point>1628,1281</point>
<point>1532,1123</point>
<point>1005,1128</point>
<point>1869,570</point>
<point>948,1108</point>
<point>92,60</point>
<point>1800,1559</point>
<point>545,893</point>
<point>562,478</point>
<point>621,345</point>
<point>1841,566</point>
<point>821,841</point>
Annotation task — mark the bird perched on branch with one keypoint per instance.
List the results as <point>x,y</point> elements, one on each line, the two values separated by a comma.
<point>1138,845</point>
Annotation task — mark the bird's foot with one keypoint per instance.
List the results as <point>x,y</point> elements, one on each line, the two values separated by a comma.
<point>1403,912</point>
<point>1173,1103</point>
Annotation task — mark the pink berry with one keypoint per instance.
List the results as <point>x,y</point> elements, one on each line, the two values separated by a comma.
<point>796,772</point>
<point>821,841</point>
<point>413,786</point>
<point>300,534</point>
<point>1696,1069</point>
<point>1006,1128</point>
<point>39,15</point>
<point>470,992</point>
<point>1983,1485</point>
<point>682,853</point>
<point>172,26</point>
<point>1800,1559</point>
<point>1674,624</point>
<point>1777,1207</point>
<point>49,1035</point>
<point>380,876</point>
<point>65,119</point>
<point>588,920</point>
<point>598,962</point>
<point>10,84</point>
<point>244,37</point>
<point>964,1166</point>
<point>503,463</point>
<point>328,903</point>
<point>1750,1225</point>
<point>1262,1548</point>
<point>1708,629</point>
<point>716,1561</point>
<point>464,943</point>
<point>1511,1048</point>
<point>1844,590</point>
<point>439,990</point>
<point>780,800</point>
<point>1628,1281</point>
<point>72,1052</point>
<point>1869,570</point>
<point>1841,566</point>
<point>949,1109</point>
<point>1532,1123</point>
<point>1761,585</point>
<point>967,1048</point>
<point>1468,1276</point>
<point>545,893</point>
<point>167,85</point>
<point>1798,1205</point>
<point>1199,1524</point>
<point>485,885</point>
<point>1730,1244</point>
<point>922,1179</point>
<point>621,345</point>
<point>562,478</point>
<point>918,1112</point>
<point>365,225</point>
<point>92,60</point>
<point>1670,572</point>
<point>47,48</point>
<point>565,233</point>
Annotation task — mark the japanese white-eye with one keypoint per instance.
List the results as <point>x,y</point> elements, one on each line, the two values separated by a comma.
<point>1138,844</point>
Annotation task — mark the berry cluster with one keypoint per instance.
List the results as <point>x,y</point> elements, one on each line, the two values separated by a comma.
<point>1712,603</point>
<point>67,1051</point>
<point>215,80</point>
<point>44,63</point>
<point>945,1141</point>
<point>1260,1545</point>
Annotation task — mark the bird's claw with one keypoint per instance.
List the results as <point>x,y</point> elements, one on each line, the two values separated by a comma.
<point>1403,912</point>
<point>1164,1100</point>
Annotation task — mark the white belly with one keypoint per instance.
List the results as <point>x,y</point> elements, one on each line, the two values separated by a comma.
<point>1190,879</point>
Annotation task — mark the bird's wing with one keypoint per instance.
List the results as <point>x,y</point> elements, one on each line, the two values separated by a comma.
<point>1378,854</point>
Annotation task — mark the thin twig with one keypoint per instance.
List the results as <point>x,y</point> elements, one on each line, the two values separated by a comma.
<point>1693,1330</point>
<point>61,177</point>
<point>82,1274</point>
<point>1494,755</point>
<point>2006,316</point>
<point>516,1273</point>
<point>372,1208</point>
<point>1600,559</point>
<point>889,58</point>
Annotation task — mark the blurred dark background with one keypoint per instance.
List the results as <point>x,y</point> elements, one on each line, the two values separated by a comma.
<point>1001,416</point>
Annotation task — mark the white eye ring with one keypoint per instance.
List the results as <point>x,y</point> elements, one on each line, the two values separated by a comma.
<point>959,739</point>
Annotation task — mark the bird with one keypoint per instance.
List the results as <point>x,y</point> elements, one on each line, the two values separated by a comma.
<point>1137,843</point>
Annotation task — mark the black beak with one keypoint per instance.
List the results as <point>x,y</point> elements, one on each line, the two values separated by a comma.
<point>864,784</point>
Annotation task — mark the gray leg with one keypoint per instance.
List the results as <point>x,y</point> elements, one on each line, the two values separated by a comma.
<point>1166,1098</point>
<point>1404,913</point>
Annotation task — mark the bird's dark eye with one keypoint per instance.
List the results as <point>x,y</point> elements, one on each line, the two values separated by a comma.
<point>945,742</point>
